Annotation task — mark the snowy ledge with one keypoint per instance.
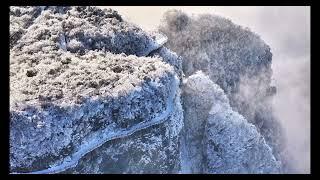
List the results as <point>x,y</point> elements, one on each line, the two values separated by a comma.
<point>159,40</point>
<point>100,137</point>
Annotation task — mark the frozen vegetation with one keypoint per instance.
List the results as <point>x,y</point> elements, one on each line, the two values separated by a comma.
<point>67,103</point>
<point>92,93</point>
<point>218,139</point>
<point>234,58</point>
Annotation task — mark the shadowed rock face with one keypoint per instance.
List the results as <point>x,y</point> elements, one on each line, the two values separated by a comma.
<point>71,93</point>
<point>234,58</point>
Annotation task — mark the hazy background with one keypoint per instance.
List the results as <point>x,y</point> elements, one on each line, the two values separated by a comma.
<point>287,31</point>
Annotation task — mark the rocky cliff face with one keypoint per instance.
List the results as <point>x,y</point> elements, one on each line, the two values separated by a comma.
<point>74,103</point>
<point>92,93</point>
<point>234,58</point>
<point>218,139</point>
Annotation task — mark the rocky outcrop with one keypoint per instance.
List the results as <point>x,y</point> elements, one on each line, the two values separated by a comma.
<point>218,139</point>
<point>92,93</point>
<point>234,58</point>
<point>73,102</point>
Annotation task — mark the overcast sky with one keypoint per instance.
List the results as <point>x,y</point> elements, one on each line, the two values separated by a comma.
<point>286,30</point>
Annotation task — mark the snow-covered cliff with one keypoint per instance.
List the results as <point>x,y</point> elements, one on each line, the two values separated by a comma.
<point>218,139</point>
<point>235,58</point>
<point>92,93</point>
<point>70,100</point>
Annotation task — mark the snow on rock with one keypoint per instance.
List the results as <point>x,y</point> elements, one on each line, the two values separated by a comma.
<point>78,82</point>
<point>234,58</point>
<point>20,19</point>
<point>83,28</point>
<point>197,98</point>
<point>234,146</point>
<point>218,139</point>
<point>149,150</point>
<point>169,57</point>
<point>92,93</point>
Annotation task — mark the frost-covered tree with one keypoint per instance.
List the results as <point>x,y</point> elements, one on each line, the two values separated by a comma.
<point>218,139</point>
<point>92,93</point>
<point>234,58</point>
<point>76,29</point>
<point>84,98</point>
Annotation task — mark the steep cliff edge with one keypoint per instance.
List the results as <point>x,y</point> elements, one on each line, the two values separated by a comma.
<point>92,93</point>
<point>70,95</point>
<point>235,58</point>
<point>218,139</point>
